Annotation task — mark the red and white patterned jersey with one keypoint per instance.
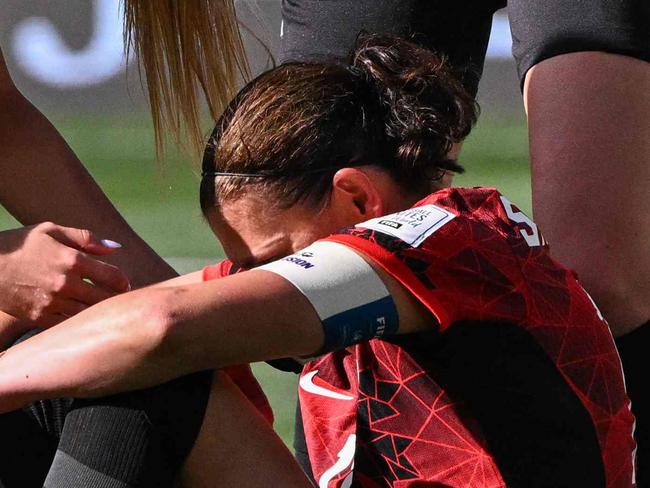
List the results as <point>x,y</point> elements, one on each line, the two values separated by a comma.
<point>520,383</point>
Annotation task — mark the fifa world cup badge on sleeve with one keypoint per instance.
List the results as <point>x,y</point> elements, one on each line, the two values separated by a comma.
<point>349,297</point>
<point>412,226</point>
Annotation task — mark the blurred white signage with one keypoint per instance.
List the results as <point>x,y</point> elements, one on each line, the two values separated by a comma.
<point>43,54</point>
<point>500,45</point>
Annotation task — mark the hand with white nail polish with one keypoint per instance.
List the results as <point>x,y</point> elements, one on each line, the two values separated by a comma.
<point>49,272</point>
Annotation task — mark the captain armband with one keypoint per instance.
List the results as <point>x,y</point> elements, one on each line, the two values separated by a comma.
<point>349,297</point>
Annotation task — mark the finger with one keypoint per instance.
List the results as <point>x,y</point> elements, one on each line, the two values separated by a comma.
<point>53,319</point>
<point>102,274</point>
<point>60,310</point>
<point>50,320</point>
<point>86,293</point>
<point>69,308</point>
<point>105,246</point>
<point>83,240</point>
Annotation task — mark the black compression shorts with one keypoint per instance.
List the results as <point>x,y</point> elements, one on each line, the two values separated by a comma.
<point>633,349</point>
<point>325,30</point>
<point>543,29</point>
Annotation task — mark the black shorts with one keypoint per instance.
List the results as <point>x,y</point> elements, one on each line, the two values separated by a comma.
<point>543,29</point>
<point>633,349</point>
<point>325,30</point>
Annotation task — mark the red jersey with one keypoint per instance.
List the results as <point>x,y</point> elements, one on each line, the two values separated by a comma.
<point>520,384</point>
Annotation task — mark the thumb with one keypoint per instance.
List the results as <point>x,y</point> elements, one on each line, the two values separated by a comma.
<point>84,240</point>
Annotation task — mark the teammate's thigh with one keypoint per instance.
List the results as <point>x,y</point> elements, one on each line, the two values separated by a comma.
<point>587,92</point>
<point>236,447</point>
<point>317,30</point>
<point>589,129</point>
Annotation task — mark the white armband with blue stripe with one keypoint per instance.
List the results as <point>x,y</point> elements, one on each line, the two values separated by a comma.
<point>349,297</point>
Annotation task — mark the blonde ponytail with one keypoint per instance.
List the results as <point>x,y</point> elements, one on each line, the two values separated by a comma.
<point>183,45</point>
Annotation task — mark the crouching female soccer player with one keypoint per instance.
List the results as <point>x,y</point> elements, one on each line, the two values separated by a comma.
<point>444,346</point>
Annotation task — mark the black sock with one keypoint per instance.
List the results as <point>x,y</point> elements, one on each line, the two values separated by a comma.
<point>26,451</point>
<point>133,440</point>
<point>634,349</point>
<point>29,438</point>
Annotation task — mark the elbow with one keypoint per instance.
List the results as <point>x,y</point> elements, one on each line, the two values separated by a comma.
<point>146,317</point>
<point>167,329</point>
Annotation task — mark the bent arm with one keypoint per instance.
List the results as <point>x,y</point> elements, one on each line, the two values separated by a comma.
<point>42,180</point>
<point>150,336</point>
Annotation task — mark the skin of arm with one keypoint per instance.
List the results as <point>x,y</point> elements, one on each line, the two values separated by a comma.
<point>150,336</point>
<point>49,183</point>
<point>186,279</point>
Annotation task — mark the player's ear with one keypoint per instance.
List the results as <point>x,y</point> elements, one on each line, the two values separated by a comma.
<point>355,195</point>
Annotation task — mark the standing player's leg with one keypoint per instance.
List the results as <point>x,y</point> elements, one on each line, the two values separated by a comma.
<point>586,79</point>
<point>589,121</point>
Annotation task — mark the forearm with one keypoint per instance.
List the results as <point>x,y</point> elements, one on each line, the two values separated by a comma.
<point>49,173</point>
<point>81,351</point>
<point>256,316</point>
<point>237,320</point>
<point>150,336</point>
<point>42,180</point>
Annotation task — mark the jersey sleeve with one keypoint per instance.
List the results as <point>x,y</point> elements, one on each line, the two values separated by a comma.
<point>219,270</point>
<point>384,251</point>
<point>457,252</point>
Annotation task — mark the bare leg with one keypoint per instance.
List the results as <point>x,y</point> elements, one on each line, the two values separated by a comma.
<point>589,123</point>
<point>589,126</point>
<point>236,447</point>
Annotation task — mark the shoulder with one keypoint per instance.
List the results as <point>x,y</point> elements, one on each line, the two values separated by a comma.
<point>443,215</point>
<point>466,201</point>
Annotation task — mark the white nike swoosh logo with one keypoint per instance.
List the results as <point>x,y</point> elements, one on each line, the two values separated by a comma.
<point>346,458</point>
<point>307,383</point>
